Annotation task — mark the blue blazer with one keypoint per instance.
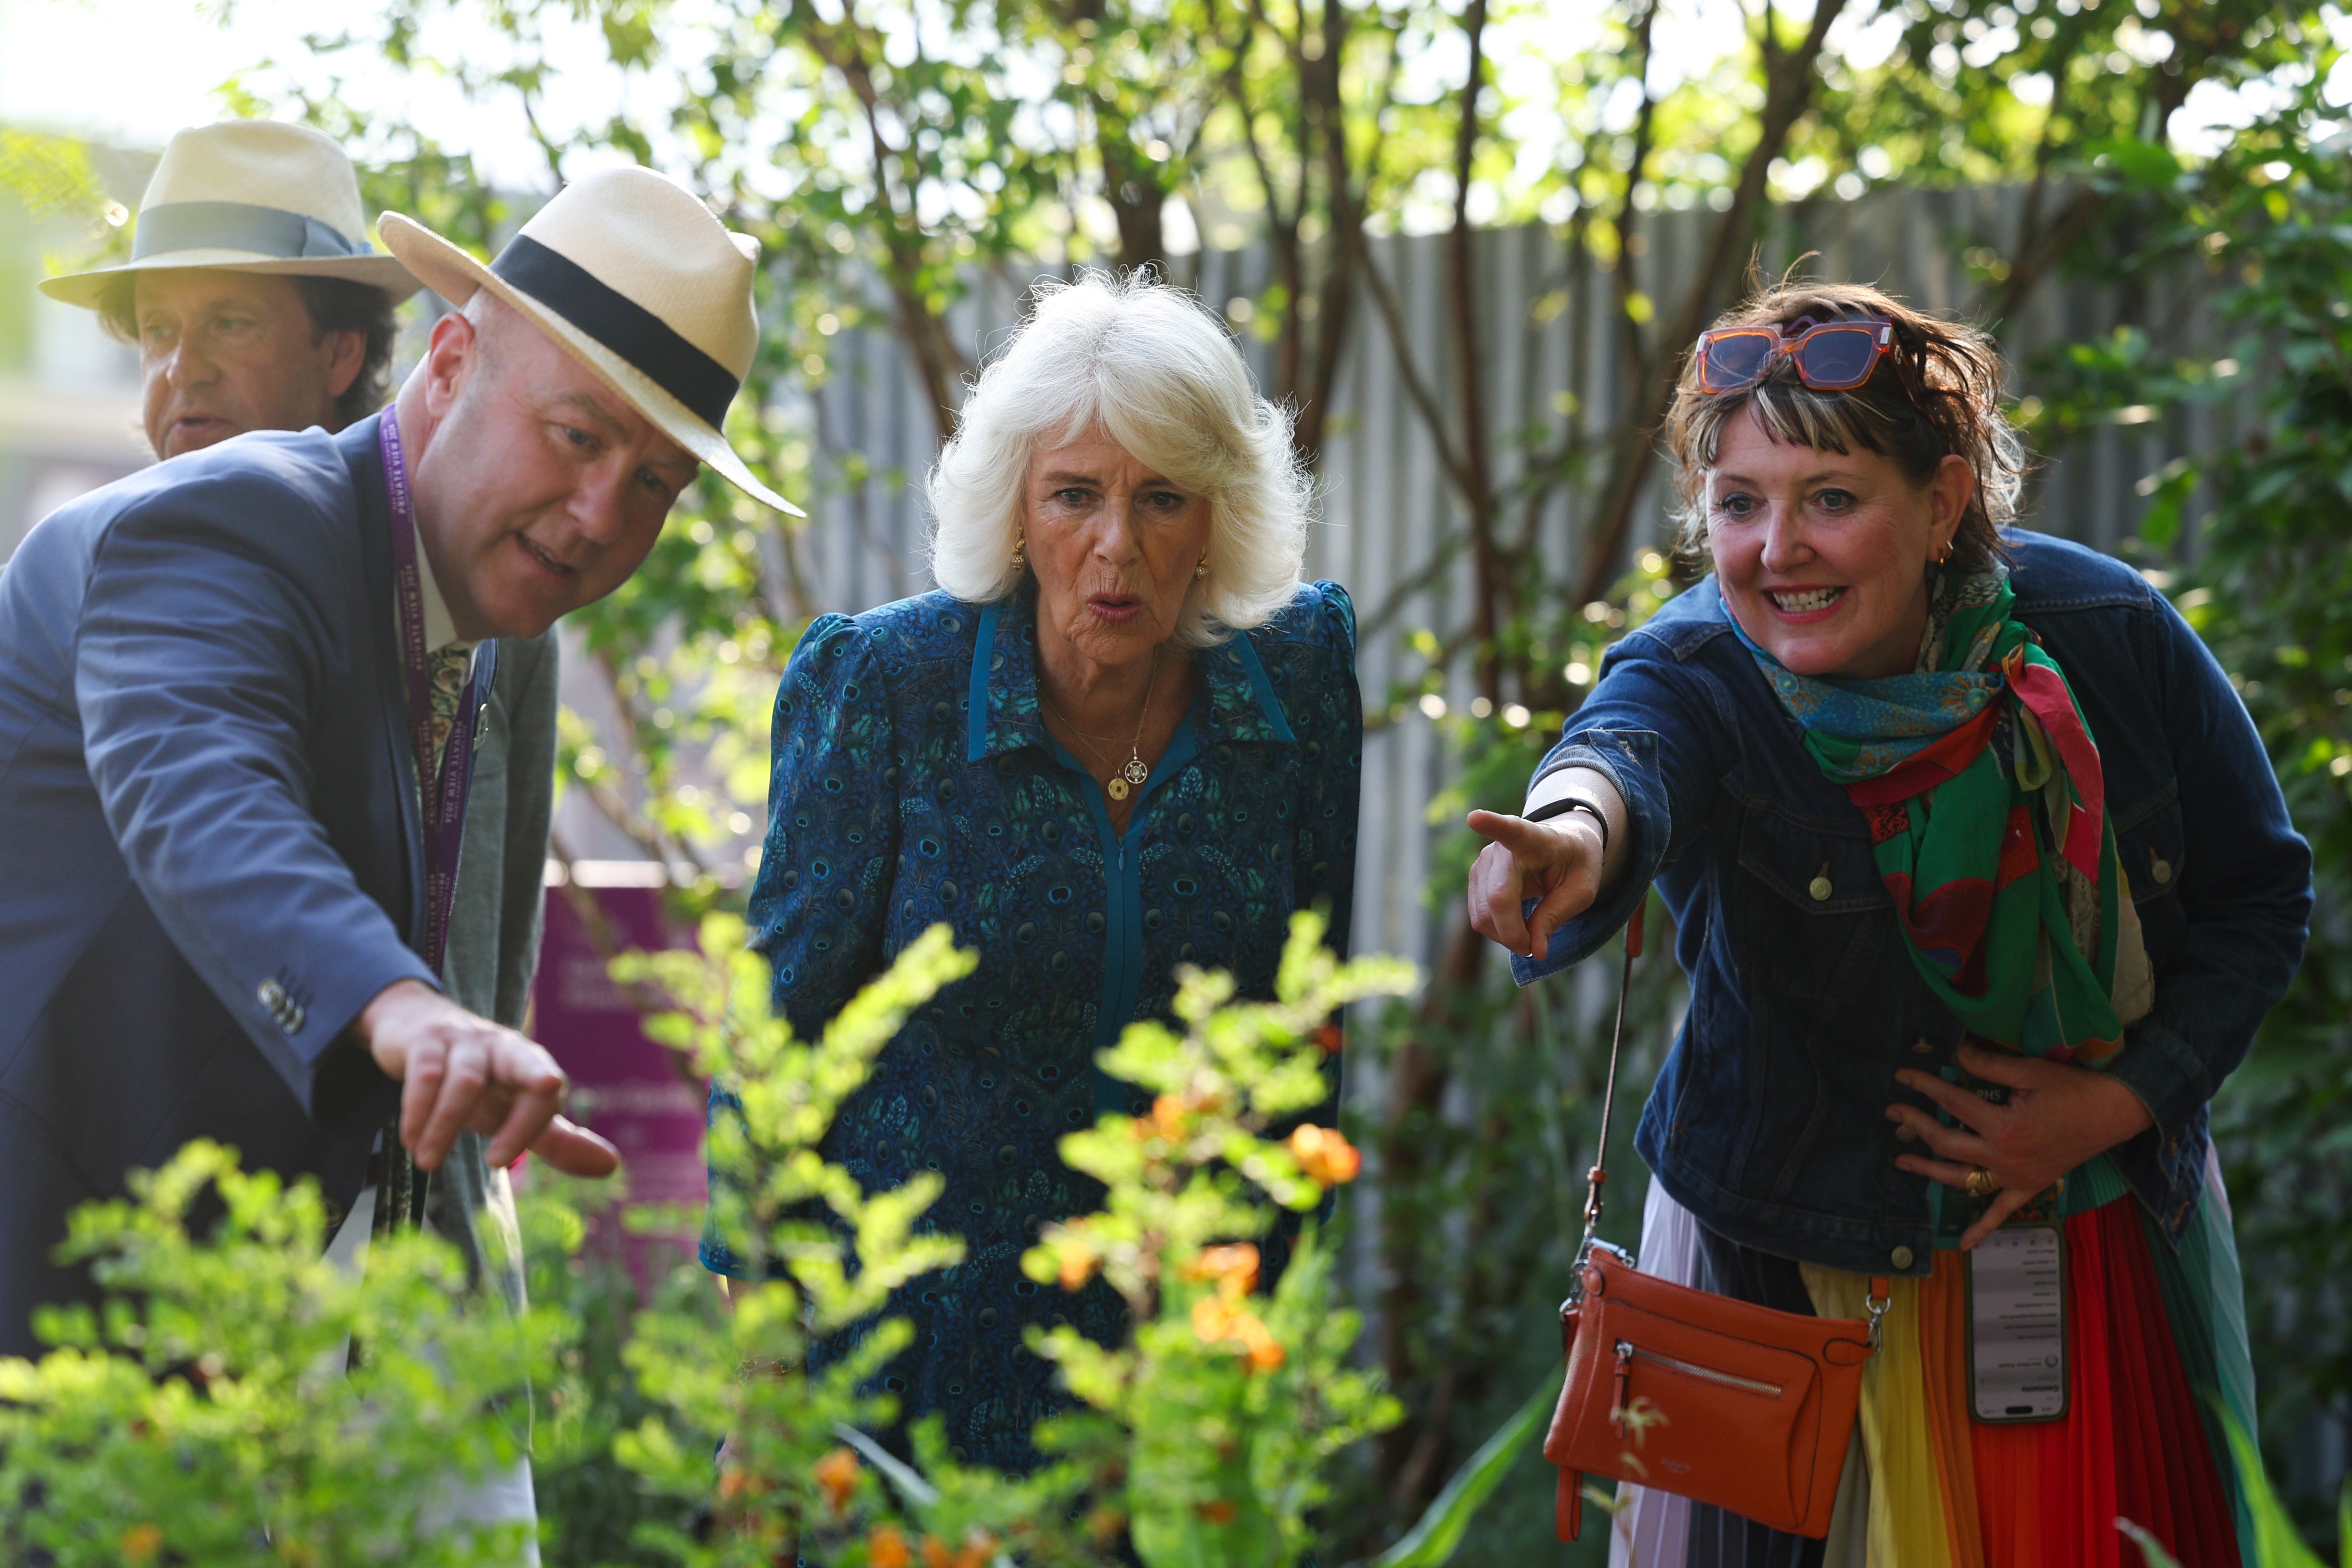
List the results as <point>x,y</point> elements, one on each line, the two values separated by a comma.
<point>209,846</point>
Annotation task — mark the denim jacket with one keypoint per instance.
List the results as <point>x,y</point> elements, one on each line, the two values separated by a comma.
<point>1767,1121</point>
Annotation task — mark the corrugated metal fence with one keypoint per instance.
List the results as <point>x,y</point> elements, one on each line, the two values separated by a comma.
<point>1548,320</point>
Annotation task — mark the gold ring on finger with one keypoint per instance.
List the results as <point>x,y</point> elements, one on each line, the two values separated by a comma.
<point>1980,1184</point>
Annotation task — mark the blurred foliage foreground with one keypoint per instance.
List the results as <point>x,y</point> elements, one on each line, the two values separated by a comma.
<point>241,1400</point>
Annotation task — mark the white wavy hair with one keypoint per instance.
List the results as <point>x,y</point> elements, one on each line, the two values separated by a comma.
<point>1155,369</point>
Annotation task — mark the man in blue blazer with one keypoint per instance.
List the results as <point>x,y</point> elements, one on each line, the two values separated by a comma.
<point>256,303</point>
<point>222,868</point>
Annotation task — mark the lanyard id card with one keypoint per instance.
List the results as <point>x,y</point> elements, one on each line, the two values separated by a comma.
<point>2017,1325</point>
<point>396,1188</point>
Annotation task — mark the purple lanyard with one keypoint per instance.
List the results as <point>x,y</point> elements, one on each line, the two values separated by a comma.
<point>442,790</point>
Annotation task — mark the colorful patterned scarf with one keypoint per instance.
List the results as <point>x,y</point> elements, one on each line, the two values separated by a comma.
<point>1987,819</point>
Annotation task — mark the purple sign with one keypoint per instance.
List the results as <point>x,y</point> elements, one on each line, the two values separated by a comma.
<point>635,1092</point>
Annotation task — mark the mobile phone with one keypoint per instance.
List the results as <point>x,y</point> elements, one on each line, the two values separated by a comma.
<point>2017,1324</point>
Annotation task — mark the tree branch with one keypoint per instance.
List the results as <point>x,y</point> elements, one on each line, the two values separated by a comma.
<point>1489,592</point>
<point>1633,353</point>
<point>1788,94</point>
<point>1416,387</point>
<point>921,330</point>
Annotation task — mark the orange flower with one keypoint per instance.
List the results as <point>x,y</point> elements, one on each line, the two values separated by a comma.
<point>1265,1351</point>
<point>1171,1116</point>
<point>1233,1268</point>
<point>1332,1038</point>
<point>1213,1320</point>
<point>837,1474</point>
<point>1219,1511</point>
<point>1327,1158</point>
<point>977,1548</point>
<point>885,1548</point>
<point>141,1543</point>
<point>1077,1261</point>
<point>1219,1321</point>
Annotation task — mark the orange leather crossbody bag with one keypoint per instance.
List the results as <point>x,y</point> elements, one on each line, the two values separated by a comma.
<point>1728,1403</point>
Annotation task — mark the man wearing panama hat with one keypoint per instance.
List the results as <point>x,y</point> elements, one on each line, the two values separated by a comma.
<point>250,291</point>
<point>240,700</point>
<point>256,303</point>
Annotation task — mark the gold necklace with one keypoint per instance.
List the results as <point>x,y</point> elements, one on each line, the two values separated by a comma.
<point>1132,775</point>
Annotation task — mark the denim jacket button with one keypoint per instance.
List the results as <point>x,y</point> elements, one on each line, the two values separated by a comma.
<point>1923,1047</point>
<point>1900,1257</point>
<point>2161,870</point>
<point>1906,1133</point>
<point>1820,888</point>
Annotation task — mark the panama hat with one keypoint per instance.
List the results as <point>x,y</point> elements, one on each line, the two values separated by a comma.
<point>631,274</point>
<point>248,195</point>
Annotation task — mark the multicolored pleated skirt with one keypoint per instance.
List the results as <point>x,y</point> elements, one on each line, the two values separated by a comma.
<point>2154,1337</point>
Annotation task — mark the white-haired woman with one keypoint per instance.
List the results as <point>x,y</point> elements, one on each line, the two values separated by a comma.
<point>1121,737</point>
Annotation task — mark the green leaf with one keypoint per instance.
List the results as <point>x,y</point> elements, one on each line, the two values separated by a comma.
<point>2276,1545</point>
<point>2151,164</point>
<point>2167,489</point>
<point>2153,1550</point>
<point>1435,1536</point>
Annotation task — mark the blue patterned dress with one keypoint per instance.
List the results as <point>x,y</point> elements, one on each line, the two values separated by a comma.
<point>914,783</point>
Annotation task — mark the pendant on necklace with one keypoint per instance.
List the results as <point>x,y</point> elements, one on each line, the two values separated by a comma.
<point>1135,771</point>
<point>1116,788</point>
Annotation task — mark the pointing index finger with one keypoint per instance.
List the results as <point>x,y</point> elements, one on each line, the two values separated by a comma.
<point>1496,827</point>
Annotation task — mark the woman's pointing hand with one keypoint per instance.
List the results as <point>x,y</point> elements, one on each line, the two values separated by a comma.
<point>1557,862</point>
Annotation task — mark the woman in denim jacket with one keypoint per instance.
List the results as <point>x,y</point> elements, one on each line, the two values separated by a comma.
<point>1982,882</point>
<point>1122,738</point>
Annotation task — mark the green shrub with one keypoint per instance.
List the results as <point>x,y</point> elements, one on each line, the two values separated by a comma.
<point>205,1416</point>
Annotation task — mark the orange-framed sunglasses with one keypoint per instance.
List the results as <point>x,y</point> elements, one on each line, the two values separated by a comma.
<point>1834,356</point>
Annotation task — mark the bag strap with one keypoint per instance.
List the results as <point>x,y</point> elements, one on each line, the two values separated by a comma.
<point>1598,1177</point>
<point>1568,1496</point>
<point>1881,1295</point>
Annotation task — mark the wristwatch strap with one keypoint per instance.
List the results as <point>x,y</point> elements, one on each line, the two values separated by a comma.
<point>1567,803</point>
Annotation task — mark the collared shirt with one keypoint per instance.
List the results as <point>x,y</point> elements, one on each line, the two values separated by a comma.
<point>447,656</point>
<point>448,659</point>
<point>440,628</point>
<point>914,783</point>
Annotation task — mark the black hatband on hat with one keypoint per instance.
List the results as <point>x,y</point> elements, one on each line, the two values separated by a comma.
<point>621,324</point>
<point>239,226</point>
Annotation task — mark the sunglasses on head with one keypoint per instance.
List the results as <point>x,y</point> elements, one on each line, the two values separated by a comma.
<point>1834,356</point>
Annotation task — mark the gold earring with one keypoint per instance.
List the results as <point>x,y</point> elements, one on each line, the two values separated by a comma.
<point>1020,548</point>
<point>1202,570</point>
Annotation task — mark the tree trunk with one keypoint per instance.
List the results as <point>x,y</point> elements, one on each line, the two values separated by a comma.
<point>1787,93</point>
<point>1489,591</point>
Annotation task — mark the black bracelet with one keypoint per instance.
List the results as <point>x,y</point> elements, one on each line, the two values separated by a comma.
<point>1567,803</point>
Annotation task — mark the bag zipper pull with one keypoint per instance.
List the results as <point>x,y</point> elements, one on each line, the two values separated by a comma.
<point>1624,1382</point>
